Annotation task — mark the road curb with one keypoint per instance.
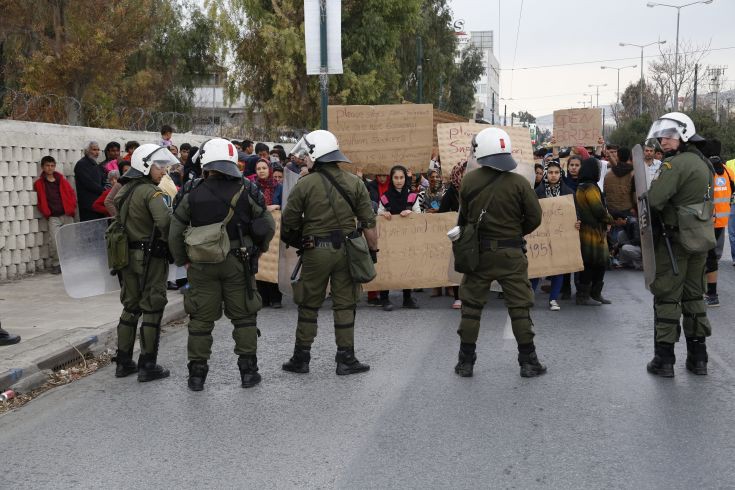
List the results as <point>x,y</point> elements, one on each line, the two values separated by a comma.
<point>94,340</point>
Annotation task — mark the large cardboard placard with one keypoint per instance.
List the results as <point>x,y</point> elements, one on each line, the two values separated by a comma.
<point>455,140</point>
<point>414,251</point>
<point>377,137</point>
<point>577,127</point>
<point>553,248</point>
<point>268,263</point>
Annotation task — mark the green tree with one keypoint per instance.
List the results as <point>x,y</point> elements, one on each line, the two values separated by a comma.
<point>462,86</point>
<point>632,132</point>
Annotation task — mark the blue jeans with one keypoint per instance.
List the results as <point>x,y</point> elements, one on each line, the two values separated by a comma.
<point>556,282</point>
<point>731,232</point>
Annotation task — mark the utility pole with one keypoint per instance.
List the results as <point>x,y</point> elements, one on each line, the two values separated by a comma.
<point>618,69</point>
<point>696,81</point>
<point>714,74</point>
<point>505,114</point>
<point>642,46</point>
<point>419,70</point>
<point>323,71</point>
<point>597,87</point>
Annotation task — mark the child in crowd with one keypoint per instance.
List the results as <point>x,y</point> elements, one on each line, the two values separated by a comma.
<point>167,133</point>
<point>57,202</point>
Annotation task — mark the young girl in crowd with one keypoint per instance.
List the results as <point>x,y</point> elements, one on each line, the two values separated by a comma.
<point>552,186</point>
<point>571,179</point>
<point>398,200</point>
<point>272,192</point>
<point>595,221</point>
<point>450,202</point>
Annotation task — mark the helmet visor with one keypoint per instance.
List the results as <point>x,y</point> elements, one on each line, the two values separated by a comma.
<point>160,157</point>
<point>664,128</point>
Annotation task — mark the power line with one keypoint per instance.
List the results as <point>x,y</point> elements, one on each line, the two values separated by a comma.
<point>606,61</point>
<point>515,50</point>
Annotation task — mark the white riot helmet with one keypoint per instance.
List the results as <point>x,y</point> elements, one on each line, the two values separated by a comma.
<point>220,155</point>
<point>674,125</point>
<point>491,147</point>
<point>150,154</point>
<point>319,146</point>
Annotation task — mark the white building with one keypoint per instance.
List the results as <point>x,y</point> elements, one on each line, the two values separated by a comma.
<point>487,88</point>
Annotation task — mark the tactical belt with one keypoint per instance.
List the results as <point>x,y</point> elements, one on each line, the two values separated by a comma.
<point>326,242</point>
<point>487,244</point>
<point>138,245</point>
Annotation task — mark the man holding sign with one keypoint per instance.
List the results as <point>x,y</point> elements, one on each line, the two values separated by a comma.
<point>501,208</point>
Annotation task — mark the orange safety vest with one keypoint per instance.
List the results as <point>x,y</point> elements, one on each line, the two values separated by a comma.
<point>722,194</point>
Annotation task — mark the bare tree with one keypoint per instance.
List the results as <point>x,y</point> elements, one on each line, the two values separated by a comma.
<point>662,70</point>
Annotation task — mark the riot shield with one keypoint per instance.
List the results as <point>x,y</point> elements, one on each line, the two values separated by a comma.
<point>644,216</point>
<point>83,260</point>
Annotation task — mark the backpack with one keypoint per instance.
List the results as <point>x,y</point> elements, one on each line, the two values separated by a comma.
<point>116,238</point>
<point>210,244</point>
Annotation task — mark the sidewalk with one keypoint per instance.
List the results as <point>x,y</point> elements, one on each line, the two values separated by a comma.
<point>51,324</point>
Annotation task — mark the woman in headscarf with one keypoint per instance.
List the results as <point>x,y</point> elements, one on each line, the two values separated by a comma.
<point>595,221</point>
<point>398,201</point>
<point>430,199</point>
<point>552,186</point>
<point>272,191</point>
<point>571,178</point>
<point>450,202</point>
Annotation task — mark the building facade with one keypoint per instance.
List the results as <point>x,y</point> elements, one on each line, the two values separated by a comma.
<point>487,88</point>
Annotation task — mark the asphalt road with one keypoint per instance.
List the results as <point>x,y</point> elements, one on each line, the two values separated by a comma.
<point>596,420</point>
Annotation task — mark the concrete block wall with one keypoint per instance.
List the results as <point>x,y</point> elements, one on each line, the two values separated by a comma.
<point>23,230</point>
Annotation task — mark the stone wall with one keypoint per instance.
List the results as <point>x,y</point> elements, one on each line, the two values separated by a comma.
<point>23,230</point>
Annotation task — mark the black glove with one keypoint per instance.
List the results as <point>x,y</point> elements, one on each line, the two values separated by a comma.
<point>374,256</point>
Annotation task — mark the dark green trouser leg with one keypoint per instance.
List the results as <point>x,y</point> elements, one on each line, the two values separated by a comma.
<point>203,303</point>
<point>469,325</point>
<point>306,326</point>
<point>245,334</point>
<point>693,308</point>
<point>153,301</point>
<point>126,330</point>
<point>150,331</point>
<point>668,291</point>
<point>344,328</point>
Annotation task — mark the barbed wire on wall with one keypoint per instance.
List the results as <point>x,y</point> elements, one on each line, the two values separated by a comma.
<point>59,109</point>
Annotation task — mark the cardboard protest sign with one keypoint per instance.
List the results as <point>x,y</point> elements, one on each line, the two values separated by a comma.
<point>414,251</point>
<point>455,138</point>
<point>268,263</point>
<point>553,248</point>
<point>577,127</point>
<point>377,137</point>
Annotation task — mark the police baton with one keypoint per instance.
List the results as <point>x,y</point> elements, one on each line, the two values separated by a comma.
<point>669,249</point>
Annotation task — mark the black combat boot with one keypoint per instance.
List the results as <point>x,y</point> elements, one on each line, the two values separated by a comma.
<point>527,359</point>
<point>596,293</point>
<point>697,355</point>
<point>148,370</point>
<point>299,362</point>
<point>248,365</point>
<point>197,375</point>
<point>583,296</point>
<point>125,364</point>
<point>663,360</point>
<point>7,338</point>
<point>347,363</point>
<point>467,358</point>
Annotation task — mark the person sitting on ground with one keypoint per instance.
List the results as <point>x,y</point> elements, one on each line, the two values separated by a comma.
<point>552,186</point>
<point>109,201</point>
<point>628,248</point>
<point>595,221</point>
<point>430,199</point>
<point>398,201</point>
<point>57,202</point>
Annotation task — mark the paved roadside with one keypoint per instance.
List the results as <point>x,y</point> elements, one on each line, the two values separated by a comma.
<point>51,324</point>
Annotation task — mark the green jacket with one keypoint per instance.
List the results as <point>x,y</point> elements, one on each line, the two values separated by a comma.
<point>308,210</point>
<point>145,206</point>
<point>513,210</point>
<point>682,179</point>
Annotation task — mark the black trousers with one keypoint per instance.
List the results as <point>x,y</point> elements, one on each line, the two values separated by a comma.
<point>591,274</point>
<point>269,292</point>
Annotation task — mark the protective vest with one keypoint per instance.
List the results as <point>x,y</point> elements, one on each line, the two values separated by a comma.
<point>722,192</point>
<point>209,203</point>
<point>731,166</point>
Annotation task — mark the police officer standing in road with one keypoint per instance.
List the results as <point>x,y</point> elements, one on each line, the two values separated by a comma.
<point>219,230</point>
<point>318,219</point>
<point>680,199</point>
<point>146,218</point>
<point>502,208</point>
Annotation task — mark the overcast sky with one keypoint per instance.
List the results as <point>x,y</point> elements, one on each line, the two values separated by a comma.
<point>566,31</point>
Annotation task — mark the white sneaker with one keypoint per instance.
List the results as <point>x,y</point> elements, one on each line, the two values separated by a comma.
<point>457,305</point>
<point>554,306</point>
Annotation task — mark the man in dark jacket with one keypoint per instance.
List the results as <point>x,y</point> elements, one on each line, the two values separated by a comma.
<point>90,181</point>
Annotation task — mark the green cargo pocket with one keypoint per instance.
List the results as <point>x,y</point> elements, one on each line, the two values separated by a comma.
<point>298,291</point>
<point>189,303</point>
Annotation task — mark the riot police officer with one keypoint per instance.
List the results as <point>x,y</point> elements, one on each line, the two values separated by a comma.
<point>146,218</point>
<point>504,208</point>
<point>223,204</point>
<point>319,214</point>
<point>680,198</point>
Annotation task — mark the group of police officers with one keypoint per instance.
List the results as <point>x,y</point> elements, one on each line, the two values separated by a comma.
<point>317,222</point>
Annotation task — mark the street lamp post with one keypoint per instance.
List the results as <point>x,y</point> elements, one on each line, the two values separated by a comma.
<point>618,69</point>
<point>597,87</point>
<point>640,104</point>
<point>676,58</point>
<point>590,96</point>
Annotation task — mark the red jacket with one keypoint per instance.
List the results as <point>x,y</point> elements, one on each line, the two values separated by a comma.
<point>99,205</point>
<point>68,197</point>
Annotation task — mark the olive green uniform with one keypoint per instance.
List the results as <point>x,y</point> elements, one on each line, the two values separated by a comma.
<point>683,179</point>
<point>146,208</point>
<point>512,211</point>
<point>228,282</point>
<point>308,213</point>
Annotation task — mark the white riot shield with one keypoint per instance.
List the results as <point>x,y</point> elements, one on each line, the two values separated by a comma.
<point>83,259</point>
<point>287,258</point>
<point>644,216</point>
